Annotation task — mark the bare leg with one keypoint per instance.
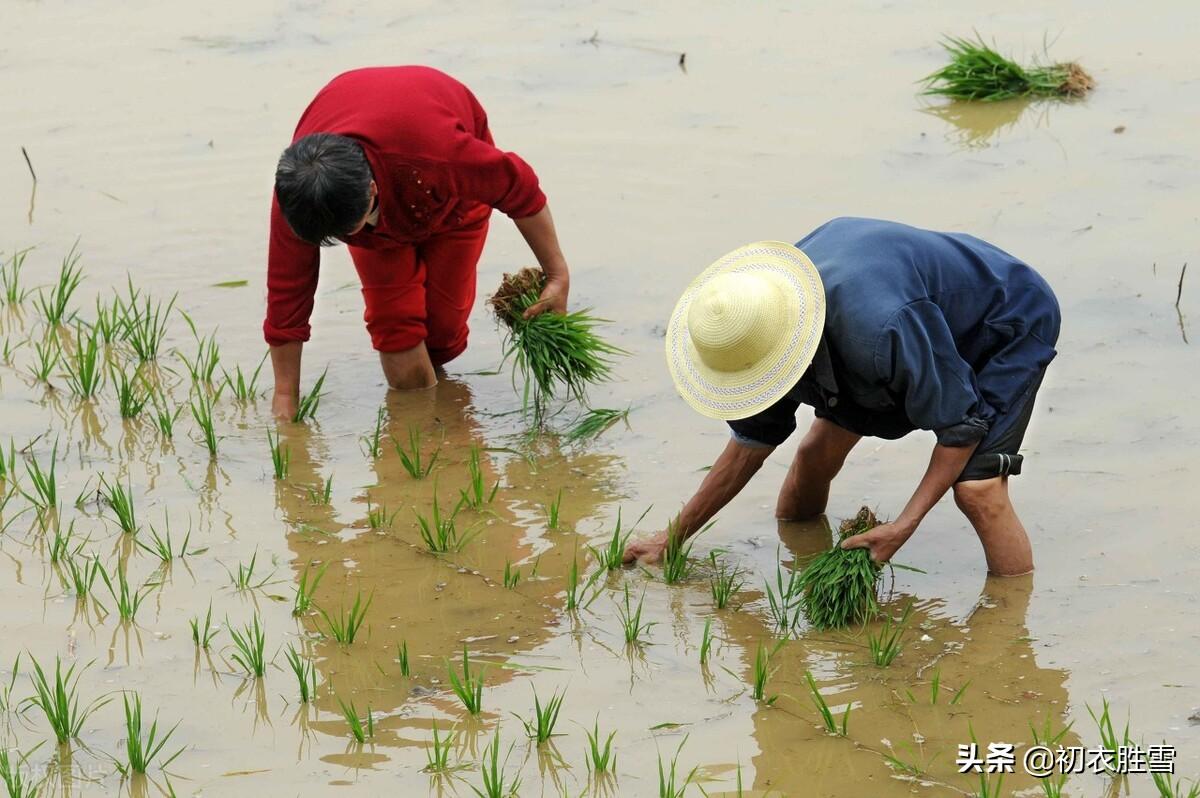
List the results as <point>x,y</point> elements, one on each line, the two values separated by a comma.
<point>986,505</point>
<point>819,458</point>
<point>410,370</point>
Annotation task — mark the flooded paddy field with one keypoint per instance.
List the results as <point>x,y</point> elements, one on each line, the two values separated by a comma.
<point>153,130</point>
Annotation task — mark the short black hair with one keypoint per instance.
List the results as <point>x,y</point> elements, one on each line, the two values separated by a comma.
<point>323,184</point>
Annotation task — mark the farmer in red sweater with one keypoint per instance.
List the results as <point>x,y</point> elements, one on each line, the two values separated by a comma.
<point>398,163</point>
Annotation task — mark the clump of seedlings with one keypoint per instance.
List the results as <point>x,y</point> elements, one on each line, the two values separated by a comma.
<point>600,757</point>
<point>402,658</point>
<point>495,783</point>
<point>631,619</point>
<point>164,416</point>
<point>706,642</point>
<point>127,599</point>
<point>245,577</point>
<point>468,687</point>
<point>306,588</point>
<point>438,753</point>
<point>250,642</point>
<point>201,405</point>
<point>669,783</point>
<point>143,746</point>
<point>1052,786</point>
<point>885,645</point>
<point>595,421</point>
<point>763,672</point>
<point>12,773</point>
<point>440,533</point>
<point>46,354</point>
<point>85,373</point>
<point>541,728</point>
<point>373,443</point>
<point>10,279</point>
<point>977,72</point>
<point>59,701</point>
<point>309,402</point>
<point>609,556</point>
<point>143,323</point>
<point>577,597</point>
<point>552,353</point>
<point>512,576</point>
<point>120,500</point>
<point>477,495</point>
<point>161,546</point>
<point>1108,734</point>
<point>322,497</point>
<point>840,586</point>
<point>203,365</point>
<point>52,302</point>
<point>725,582</point>
<point>827,719</point>
<point>305,673</point>
<point>554,511</point>
<point>783,598</point>
<point>132,393</point>
<point>676,562</point>
<point>360,728</point>
<point>281,456</point>
<point>203,631</point>
<point>244,387</point>
<point>410,456</point>
<point>345,626</point>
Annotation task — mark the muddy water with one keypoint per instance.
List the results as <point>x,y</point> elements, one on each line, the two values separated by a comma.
<point>153,129</point>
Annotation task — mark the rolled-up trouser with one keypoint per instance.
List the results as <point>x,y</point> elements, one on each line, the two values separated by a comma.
<point>998,454</point>
<point>422,292</point>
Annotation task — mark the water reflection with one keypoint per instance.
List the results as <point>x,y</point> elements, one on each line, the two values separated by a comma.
<point>975,125</point>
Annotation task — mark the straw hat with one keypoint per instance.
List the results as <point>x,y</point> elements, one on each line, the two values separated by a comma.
<point>745,330</point>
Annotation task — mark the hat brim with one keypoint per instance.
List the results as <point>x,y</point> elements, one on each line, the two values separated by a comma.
<point>732,395</point>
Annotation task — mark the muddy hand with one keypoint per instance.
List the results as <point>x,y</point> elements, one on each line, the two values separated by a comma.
<point>553,298</point>
<point>648,551</point>
<point>882,542</point>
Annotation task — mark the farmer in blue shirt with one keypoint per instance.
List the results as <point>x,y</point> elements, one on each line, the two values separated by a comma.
<point>883,329</point>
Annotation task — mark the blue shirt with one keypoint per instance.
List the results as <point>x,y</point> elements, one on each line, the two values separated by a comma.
<point>923,330</point>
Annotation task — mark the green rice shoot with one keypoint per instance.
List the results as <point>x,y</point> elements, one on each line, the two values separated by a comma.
<point>839,587</point>
<point>977,72</point>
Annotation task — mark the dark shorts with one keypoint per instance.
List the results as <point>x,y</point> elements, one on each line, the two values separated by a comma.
<point>997,455</point>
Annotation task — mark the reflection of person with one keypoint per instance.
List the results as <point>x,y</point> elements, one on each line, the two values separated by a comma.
<point>398,163</point>
<point>887,329</point>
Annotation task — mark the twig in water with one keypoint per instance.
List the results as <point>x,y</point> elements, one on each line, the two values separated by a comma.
<point>1179,291</point>
<point>29,163</point>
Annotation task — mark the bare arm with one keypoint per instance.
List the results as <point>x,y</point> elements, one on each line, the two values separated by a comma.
<point>728,475</point>
<point>946,463</point>
<point>285,362</point>
<point>539,232</point>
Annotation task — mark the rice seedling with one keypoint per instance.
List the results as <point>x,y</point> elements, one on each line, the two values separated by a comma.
<point>324,496</point>
<point>551,352</point>
<point>1108,734</point>
<point>402,658</point>
<point>977,72</point>
<point>438,753</point>
<point>511,575</point>
<point>60,702</point>
<point>306,588</point>
<point>724,583</point>
<point>577,597</point>
<point>52,302</point>
<point>676,561</point>
<point>440,533</point>
<point>782,603</point>
<point>203,632</point>
<point>827,719</point>
<point>1052,785</point>
<point>203,365</point>
<point>81,574</point>
<point>201,404</point>
<point>374,441</point>
<point>885,644</point>
<point>8,465</point>
<point>281,456</point>
<point>119,499</point>
<point>541,727</point>
<point>935,686</point>
<point>46,355</point>
<point>344,627</point>
<point>600,757</point>
<point>128,600</point>
<point>12,773</point>
<point>706,641</point>
<point>144,323</point>
<point>468,687</point>
<point>960,692</point>
<point>6,691</point>
<point>1169,788</point>
<point>132,393</point>
<point>669,783</point>
<point>476,495</point>
<point>839,586</point>
<point>305,672</point>
<point>378,517</point>
<point>243,386</point>
<point>361,729</point>
<point>8,351</point>
<point>85,374</point>
<point>309,402</point>
<point>988,787</point>
<point>164,417</point>
<point>250,642</point>
<point>10,279</point>
<point>143,746</point>
<point>609,557</point>
<point>44,482</point>
<point>495,784</point>
<point>109,323</point>
<point>410,456</point>
<point>763,672</point>
<point>631,619</point>
<point>60,548</point>
<point>246,576</point>
<point>595,421</point>
<point>554,511</point>
<point>161,545</point>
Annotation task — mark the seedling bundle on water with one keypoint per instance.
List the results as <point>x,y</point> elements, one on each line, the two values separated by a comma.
<point>553,353</point>
<point>978,72</point>
<point>839,587</point>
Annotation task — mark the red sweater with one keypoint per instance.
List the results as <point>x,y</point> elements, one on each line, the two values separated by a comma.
<point>427,140</point>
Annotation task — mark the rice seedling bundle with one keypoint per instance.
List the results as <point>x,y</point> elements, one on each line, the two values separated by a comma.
<point>840,586</point>
<point>553,353</point>
<point>977,72</point>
